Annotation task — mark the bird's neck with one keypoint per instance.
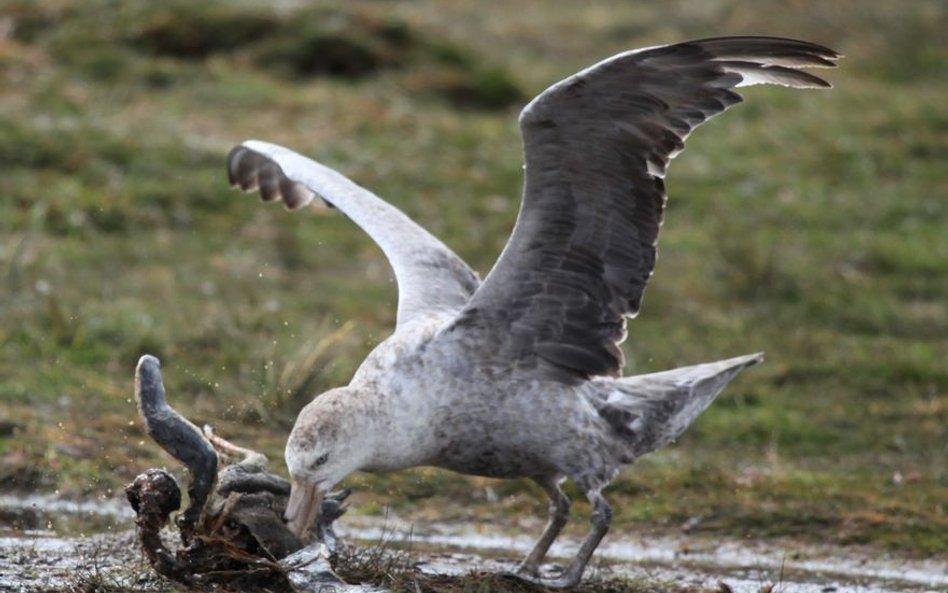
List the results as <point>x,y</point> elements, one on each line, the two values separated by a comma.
<point>395,429</point>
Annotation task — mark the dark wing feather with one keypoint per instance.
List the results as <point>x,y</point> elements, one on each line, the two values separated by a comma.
<point>596,147</point>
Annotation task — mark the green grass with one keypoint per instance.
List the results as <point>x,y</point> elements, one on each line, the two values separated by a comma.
<point>807,225</point>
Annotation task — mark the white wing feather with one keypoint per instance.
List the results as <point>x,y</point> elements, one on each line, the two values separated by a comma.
<point>431,278</point>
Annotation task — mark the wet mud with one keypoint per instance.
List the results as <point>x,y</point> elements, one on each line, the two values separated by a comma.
<point>745,567</point>
<point>37,554</point>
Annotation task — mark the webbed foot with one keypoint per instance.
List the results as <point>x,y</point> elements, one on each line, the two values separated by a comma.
<point>334,506</point>
<point>561,581</point>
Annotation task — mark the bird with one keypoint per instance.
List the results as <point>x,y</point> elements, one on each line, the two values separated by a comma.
<point>519,375</point>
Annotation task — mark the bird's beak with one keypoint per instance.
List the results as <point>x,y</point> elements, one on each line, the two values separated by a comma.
<point>303,509</point>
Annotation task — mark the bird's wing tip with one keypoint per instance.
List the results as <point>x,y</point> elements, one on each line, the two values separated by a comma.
<point>256,166</point>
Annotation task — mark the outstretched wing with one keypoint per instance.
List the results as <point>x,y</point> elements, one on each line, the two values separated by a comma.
<point>596,148</point>
<point>431,277</point>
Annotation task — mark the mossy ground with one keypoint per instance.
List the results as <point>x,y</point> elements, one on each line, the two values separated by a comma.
<point>808,225</point>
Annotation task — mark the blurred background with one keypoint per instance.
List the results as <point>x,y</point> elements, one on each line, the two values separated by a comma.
<point>809,225</point>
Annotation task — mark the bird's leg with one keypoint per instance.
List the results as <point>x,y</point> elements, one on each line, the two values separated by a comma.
<point>601,517</point>
<point>559,513</point>
<point>600,520</point>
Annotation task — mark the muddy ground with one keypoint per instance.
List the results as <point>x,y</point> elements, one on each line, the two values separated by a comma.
<point>34,557</point>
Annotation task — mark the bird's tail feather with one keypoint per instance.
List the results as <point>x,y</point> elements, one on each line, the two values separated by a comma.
<point>650,411</point>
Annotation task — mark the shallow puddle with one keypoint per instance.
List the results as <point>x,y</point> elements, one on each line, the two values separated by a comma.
<point>744,566</point>
<point>36,556</point>
<point>48,515</point>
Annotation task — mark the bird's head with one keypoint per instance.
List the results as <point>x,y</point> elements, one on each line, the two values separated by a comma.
<point>324,447</point>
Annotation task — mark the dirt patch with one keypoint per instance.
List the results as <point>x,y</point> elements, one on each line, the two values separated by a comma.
<point>48,564</point>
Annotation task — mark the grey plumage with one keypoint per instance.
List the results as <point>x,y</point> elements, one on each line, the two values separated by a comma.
<point>519,375</point>
<point>596,148</point>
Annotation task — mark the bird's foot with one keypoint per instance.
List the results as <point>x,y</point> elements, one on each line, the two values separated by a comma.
<point>334,506</point>
<point>562,580</point>
<point>526,571</point>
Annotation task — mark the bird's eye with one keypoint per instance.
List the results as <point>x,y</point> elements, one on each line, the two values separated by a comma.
<point>322,459</point>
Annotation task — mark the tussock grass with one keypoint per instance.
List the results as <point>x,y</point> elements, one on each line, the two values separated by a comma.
<point>807,225</point>
<point>159,46</point>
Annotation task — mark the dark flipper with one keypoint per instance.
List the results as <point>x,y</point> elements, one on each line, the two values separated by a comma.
<point>179,438</point>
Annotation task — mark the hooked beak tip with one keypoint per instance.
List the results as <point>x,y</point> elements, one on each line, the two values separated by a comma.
<point>303,508</point>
